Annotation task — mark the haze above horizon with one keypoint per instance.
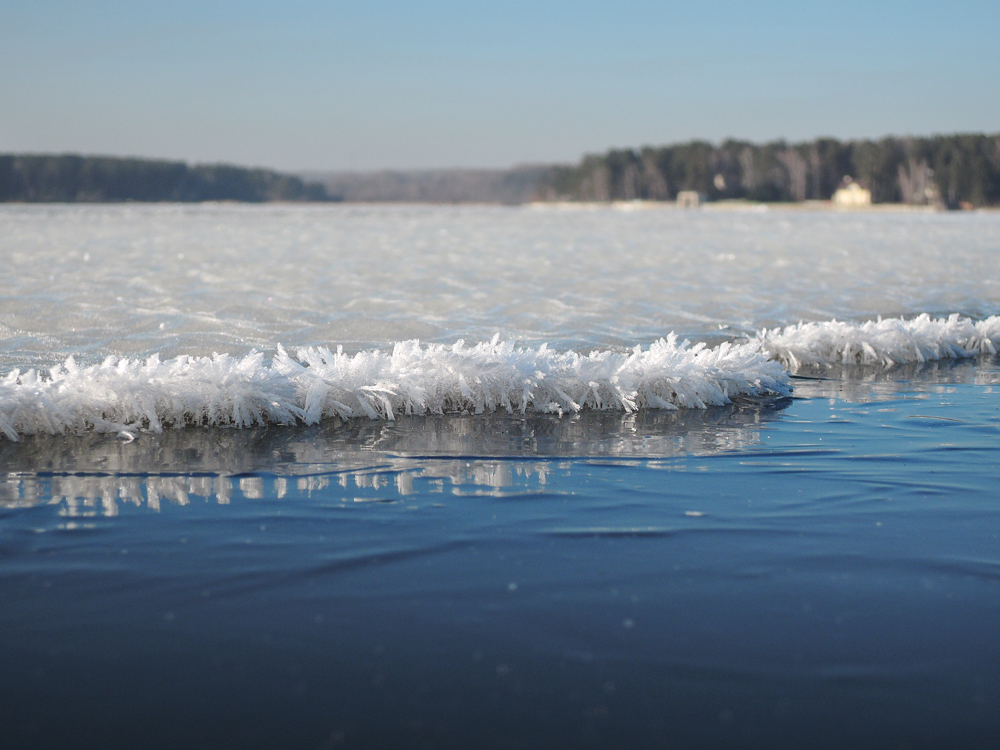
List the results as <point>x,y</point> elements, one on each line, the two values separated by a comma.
<point>327,86</point>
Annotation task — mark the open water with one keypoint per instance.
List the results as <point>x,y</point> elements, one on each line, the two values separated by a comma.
<point>563,532</point>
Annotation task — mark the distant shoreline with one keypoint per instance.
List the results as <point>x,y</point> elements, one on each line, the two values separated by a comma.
<point>753,207</point>
<point>959,171</point>
<point>619,206</point>
<point>70,178</point>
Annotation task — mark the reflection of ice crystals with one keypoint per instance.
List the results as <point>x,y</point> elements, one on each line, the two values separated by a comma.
<point>252,487</point>
<point>200,486</point>
<point>406,466</point>
<point>129,489</point>
<point>86,496</point>
<point>96,495</point>
<point>404,483</point>
<point>81,495</point>
<point>223,490</point>
<point>172,489</point>
<point>73,509</point>
<point>312,484</point>
<point>492,475</point>
<point>102,494</point>
<point>526,470</point>
<point>11,495</point>
<point>152,498</point>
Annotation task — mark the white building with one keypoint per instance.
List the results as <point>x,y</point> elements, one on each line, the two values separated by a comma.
<point>688,199</point>
<point>852,194</point>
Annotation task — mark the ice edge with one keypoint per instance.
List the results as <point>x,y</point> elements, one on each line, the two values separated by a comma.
<point>123,395</point>
<point>882,342</point>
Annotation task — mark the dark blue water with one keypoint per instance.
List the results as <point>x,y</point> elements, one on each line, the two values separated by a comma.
<point>819,572</point>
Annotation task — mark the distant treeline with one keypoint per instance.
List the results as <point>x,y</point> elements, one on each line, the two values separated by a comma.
<point>950,169</point>
<point>509,186</point>
<point>71,178</point>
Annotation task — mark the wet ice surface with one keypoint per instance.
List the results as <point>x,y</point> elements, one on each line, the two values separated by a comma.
<point>821,571</point>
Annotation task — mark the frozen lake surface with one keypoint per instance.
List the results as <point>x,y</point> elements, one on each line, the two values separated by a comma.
<point>178,279</point>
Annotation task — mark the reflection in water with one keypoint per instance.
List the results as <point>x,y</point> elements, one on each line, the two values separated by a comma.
<point>93,474</point>
<point>863,383</point>
<point>102,495</point>
<point>337,445</point>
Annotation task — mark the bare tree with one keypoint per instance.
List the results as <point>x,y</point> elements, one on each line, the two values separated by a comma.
<point>915,182</point>
<point>816,170</point>
<point>797,170</point>
<point>749,176</point>
<point>656,186</point>
<point>630,182</point>
<point>596,186</point>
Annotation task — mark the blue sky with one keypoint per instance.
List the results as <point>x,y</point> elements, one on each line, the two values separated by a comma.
<point>330,85</point>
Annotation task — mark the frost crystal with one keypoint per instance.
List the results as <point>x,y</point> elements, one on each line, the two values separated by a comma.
<point>882,342</point>
<point>124,395</point>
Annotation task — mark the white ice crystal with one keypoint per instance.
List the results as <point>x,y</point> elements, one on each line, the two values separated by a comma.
<point>882,342</point>
<point>124,395</point>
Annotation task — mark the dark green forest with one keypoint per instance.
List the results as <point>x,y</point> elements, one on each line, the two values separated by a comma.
<point>71,178</point>
<point>949,170</point>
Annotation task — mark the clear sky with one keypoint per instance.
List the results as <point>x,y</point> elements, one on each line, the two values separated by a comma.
<point>303,84</point>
